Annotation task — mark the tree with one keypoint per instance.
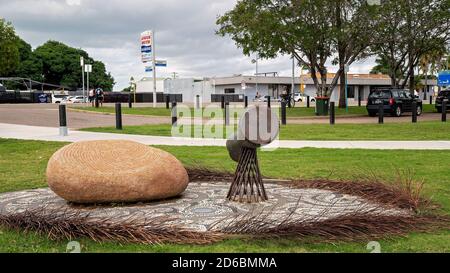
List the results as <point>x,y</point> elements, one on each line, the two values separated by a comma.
<point>61,66</point>
<point>408,30</point>
<point>311,31</point>
<point>9,51</point>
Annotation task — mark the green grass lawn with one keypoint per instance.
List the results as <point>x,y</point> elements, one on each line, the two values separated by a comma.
<point>23,163</point>
<point>432,130</point>
<point>292,112</point>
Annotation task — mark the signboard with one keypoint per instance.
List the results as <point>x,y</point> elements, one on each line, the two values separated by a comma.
<point>148,69</point>
<point>161,63</point>
<point>444,78</point>
<point>146,46</point>
<point>88,68</point>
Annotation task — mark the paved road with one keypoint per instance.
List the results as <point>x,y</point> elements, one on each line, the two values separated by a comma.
<point>52,134</point>
<point>47,115</point>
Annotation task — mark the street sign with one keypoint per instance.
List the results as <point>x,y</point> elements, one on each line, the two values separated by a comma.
<point>148,69</point>
<point>88,68</point>
<point>161,63</point>
<point>82,61</point>
<point>444,78</point>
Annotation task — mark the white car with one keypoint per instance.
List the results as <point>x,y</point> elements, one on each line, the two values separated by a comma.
<point>77,99</point>
<point>300,98</point>
<point>59,98</point>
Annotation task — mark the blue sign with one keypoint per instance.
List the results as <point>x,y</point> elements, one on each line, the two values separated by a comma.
<point>444,78</point>
<point>148,69</point>
<point>146,49</point>
<point>43,98</point>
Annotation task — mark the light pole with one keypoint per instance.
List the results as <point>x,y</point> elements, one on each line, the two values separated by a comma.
<point>255,61</point>
<point>293,80</point>
<point>346,70</point>
<point>82,77</point>
<point>154,68</point>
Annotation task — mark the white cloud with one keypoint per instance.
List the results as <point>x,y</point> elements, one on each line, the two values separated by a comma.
<point>109,30</point>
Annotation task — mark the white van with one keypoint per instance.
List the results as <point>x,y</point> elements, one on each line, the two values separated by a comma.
<point>59,98</point>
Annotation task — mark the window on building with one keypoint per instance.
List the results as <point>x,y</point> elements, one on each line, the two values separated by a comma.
<point>229,91</point>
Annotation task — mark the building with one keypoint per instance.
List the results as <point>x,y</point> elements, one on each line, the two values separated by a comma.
<point>261,86</point>
<point>145,85</point>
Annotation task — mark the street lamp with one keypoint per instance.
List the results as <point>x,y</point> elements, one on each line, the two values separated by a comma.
<point>255,61</point>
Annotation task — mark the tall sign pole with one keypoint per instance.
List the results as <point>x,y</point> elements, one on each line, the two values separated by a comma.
<point>154,68</point>
<point>82,75</point>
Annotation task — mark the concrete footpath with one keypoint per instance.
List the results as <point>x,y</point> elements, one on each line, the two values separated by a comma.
<point>52,134</point>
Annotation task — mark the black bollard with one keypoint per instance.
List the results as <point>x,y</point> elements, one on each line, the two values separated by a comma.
<point>283,113</point>
<point>268,101</point>
<point>444,110</point>
<point>414,112</point>
<point>359,98</point>
<point>222,102</point>
<point>62,120</point>
<point>174,114</point>
<point>96,102</point>
<point>431,99</point>
<point>227,113</point>
<point>307,102</point>
<point>332,113</point>
<point>130,102</point>
<point>197,102</point>
<point>167,101</point>
<point>118,116</point>
<point>246,101</point>
<point>381,113</point>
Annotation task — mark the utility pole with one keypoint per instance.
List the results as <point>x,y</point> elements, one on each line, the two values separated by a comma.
<point>293,80</point>
<point>82,76</point>
<point>154,68</point>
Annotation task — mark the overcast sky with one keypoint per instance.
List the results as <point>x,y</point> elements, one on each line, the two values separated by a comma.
<point>109,31</point>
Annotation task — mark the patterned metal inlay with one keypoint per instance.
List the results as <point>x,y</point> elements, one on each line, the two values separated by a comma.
<point>203,205</point>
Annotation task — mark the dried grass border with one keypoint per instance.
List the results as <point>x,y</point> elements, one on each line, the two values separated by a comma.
<point>404,193</point>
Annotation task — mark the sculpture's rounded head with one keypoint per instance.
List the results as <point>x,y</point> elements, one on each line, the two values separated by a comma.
<point>259,125</point>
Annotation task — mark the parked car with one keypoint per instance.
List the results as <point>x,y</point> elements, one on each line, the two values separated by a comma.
<point>2,88</point>
<point>300,98</point>
<point>59,98</point>
<point>395,102</point>
<point>441,96</point>
<point>77,99</point>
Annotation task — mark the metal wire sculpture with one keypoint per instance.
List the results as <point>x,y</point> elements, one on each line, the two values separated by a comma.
<point>259,126</point>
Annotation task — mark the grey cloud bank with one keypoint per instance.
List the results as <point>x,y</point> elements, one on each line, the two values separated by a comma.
<point>109,30</point>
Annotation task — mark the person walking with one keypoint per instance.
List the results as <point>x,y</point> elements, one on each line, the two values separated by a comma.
<point>100,96</point>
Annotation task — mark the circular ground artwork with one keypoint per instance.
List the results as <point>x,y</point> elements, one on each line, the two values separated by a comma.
<point>204,207</point>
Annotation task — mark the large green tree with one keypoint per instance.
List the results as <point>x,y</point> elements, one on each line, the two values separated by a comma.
<point>9,50</point>
<point>61,65</point>
<point>313,31</point>
<point>408,31</point>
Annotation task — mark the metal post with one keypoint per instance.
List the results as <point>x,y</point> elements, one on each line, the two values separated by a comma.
<point>359,97</point>
<point>444,110</point>
<point>167,101</point>
<point>130,103</point>
<point>197,102</point>
<point>96,100</point>
<point>154,68</point>
<point>307,101</point>
<point>293,80</point>
<point>431,99</point>
<point>174,113</point>
<point>246,101</point>
<point>227,114</point>
<point>381,113</point>
<point>414,112</point>
<point>82,77</point>
<point>283,113</point>
<point>332,113</point>
<point>118,116</point>
<point>222,102</point>
<point>62,120</point>
<point>268,101</point>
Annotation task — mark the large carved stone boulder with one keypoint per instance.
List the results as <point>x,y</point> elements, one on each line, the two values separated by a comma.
<point>115,171</point>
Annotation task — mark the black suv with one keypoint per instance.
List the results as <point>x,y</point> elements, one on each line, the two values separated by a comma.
<point>443,95</point>
<point>395,102</point>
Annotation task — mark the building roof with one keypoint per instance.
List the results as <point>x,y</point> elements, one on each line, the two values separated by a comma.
<point>353,79</point>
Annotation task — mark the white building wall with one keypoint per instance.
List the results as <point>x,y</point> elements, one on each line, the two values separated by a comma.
<point>146,85</point>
